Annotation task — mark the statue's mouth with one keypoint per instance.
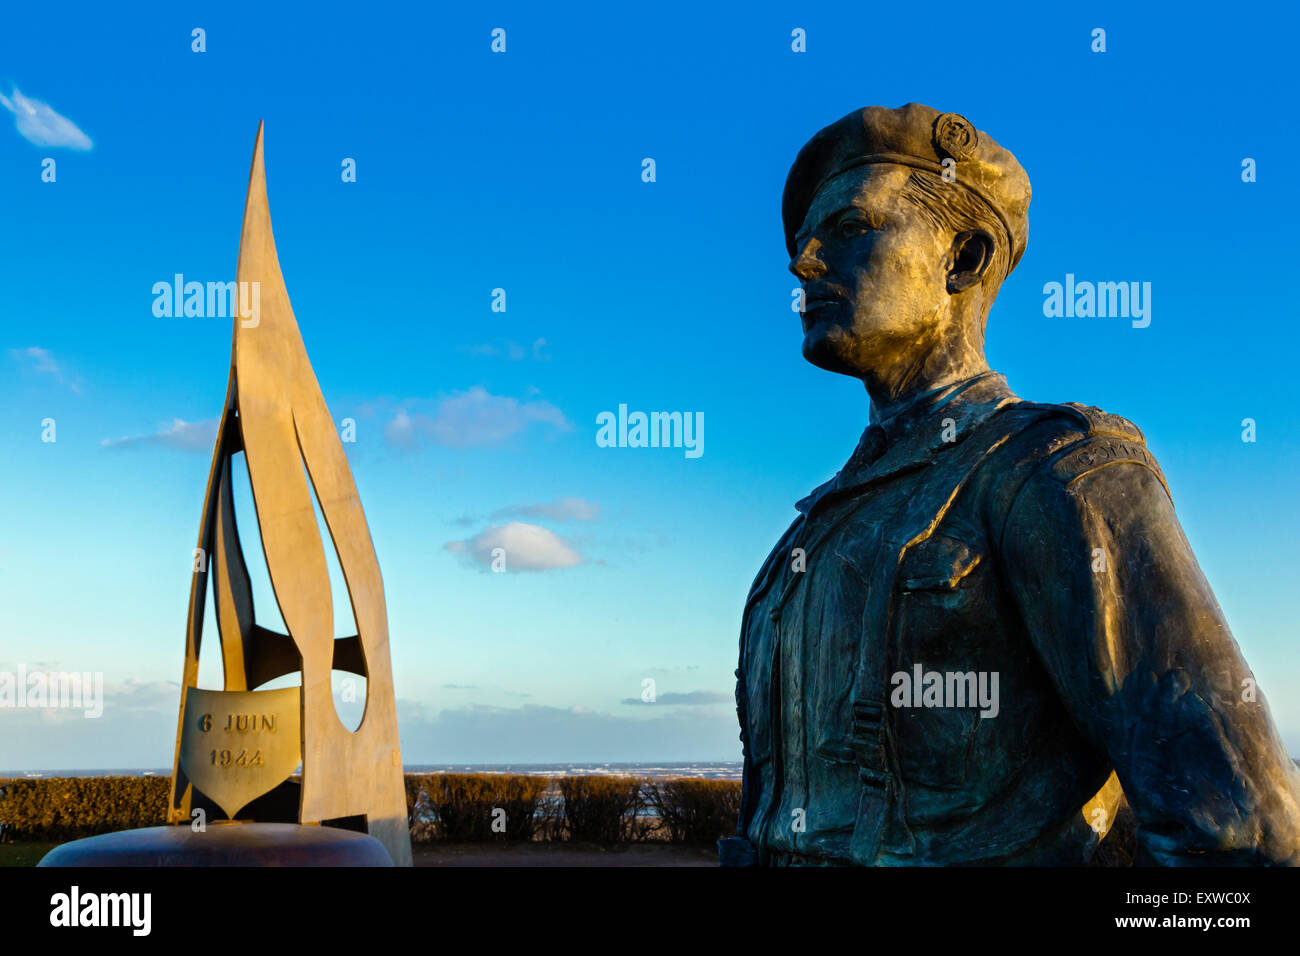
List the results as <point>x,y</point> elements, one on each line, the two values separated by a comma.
<point>817,300</point>
<point>823,293</point>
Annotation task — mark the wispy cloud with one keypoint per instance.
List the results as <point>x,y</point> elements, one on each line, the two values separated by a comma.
<point>134,732</point>
<point>534,733</point>
<point>561,509</point>
<point>38,123</point>
<point>523,547</point>
<point>474,417</point>
<point>513,351</point>
<point>181,435</point>
<point>694,698</point>
<point>43,361</point>
<point>131,732</point>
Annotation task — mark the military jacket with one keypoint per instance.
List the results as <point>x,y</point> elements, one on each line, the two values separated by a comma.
<point>979,630</point>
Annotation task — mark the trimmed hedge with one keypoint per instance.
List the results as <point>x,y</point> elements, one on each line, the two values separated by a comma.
<point>693,810</point>
<point>601,809</point>
<point>441,806</point>
<point>467,806</point>
<point>68,808</point>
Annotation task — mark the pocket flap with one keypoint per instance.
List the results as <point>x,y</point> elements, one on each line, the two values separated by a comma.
<point>938,563</point>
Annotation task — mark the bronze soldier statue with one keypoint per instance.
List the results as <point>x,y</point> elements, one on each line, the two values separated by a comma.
<point>989,621</point>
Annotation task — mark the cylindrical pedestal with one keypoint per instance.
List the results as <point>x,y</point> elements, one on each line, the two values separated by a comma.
<point>239,844</point>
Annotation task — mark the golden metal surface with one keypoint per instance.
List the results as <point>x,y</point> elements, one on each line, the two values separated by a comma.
<point>276,415</point>
<point>238,745</point>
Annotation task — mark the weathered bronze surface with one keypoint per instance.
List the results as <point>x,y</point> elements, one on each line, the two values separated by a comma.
<point>989,620</point>
<point>276,416</point>
<point>244,844</point>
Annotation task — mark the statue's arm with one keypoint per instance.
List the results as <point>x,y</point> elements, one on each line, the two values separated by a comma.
<point>1126,625</point>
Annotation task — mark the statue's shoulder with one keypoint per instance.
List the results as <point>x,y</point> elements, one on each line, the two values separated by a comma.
<point>1097,423</point>
<point>1068,421</point>
<point>1069,440</point>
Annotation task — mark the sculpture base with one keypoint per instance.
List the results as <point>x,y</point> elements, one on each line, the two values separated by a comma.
<point>238,844</point>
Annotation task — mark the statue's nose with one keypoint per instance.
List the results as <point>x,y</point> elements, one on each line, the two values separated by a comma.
<point>806,265</point>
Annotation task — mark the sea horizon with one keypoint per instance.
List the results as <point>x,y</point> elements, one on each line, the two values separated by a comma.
<point>709,770</point>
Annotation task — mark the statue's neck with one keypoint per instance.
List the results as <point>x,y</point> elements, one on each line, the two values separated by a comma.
<point>908,383</point>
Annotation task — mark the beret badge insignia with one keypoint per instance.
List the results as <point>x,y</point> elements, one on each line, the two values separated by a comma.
<point>955,136</point>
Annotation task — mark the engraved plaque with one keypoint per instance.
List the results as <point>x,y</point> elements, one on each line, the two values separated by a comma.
<point>238,745</point>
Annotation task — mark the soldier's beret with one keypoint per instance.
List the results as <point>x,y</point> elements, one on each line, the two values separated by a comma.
<point>917,136</point>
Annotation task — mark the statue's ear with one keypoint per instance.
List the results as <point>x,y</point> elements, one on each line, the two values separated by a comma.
<point>972,251</point>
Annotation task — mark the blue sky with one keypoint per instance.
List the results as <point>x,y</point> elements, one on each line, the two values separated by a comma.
<point>522,171</point>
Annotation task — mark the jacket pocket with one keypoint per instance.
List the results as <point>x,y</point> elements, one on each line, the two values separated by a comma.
<point>940,622</point>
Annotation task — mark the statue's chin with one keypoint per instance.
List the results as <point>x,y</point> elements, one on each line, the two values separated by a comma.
<point>823,347</point>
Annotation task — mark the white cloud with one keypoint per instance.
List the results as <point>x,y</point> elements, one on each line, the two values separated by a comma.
<point>42,361</point>
<point>401,430</point>
<point>527,547</point>
<point>37,123</point>
<point>181,435</point>
<point>473,417</point>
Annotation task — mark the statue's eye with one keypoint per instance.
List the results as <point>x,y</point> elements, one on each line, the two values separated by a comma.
<point>851,226</point>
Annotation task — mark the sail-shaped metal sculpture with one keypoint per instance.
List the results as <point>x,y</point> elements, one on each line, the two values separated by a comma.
<point>238,745</point>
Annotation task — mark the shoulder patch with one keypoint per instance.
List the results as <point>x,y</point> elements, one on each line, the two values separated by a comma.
<point>1094,439</point>
<point>1099,451</point>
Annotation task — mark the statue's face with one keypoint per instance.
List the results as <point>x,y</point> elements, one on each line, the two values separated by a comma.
<point>874,271</point>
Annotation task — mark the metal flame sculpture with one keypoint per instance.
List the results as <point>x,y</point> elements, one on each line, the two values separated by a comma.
<point>237,749</point>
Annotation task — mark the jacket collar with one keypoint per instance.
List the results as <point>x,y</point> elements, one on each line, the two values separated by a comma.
<point>915,436</point>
